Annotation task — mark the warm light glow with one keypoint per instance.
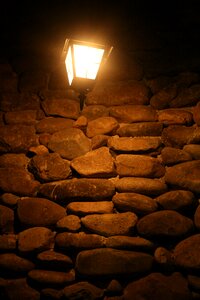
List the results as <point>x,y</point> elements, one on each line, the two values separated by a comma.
<point>69,65</point>
<point>87,61</point>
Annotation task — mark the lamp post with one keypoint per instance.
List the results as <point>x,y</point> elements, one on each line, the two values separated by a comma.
<point>83,61</point>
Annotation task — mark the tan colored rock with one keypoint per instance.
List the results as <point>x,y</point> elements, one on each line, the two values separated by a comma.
<point>61,107</point>
<point>38,150</point>
<point>96,163</point>
<point>172,155</point>
<point>70,223</point>
<point>14,160</point>
<point>175,117</point>
<point>99,141</point>
<point>110,224</point>
<point>140,129</point>
<point>53,124</point>
<point>101,125</point>
<point>138,166</point>
<point>9,199</point>
<point>6,220</point>
<point>88,208</point>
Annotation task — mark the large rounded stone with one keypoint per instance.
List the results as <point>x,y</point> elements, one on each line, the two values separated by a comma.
<point>69,223</point>
<point>49,167</point>
<point>185,175</point>
<point>186,253</point>
<point>61,107</point>
<point>11,264</point>
<point>137,203</point>
<point>69,143</point>
<point>88,208</point>
<point>39,212</point>
<point>6,220</point>
<point>110,224</point>
<point>96,163</point>
<point>35,239</point>
<point>102,125</point>
<point>158,286</point>
<point>165,223</point>
<point>103,262</point>
<point>141,129</point>
<point>138,166</point>
<point>51,124</point>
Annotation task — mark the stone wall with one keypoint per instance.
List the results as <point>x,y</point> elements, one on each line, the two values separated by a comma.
<point>102,203</point>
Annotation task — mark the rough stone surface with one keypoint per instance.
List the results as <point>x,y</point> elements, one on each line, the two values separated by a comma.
<point>55,260</point>
<point>98,141</point>
<point>93,112</point>
<point>79,240</point>
<point>196,114</point>
<point>14,160</point>
<point>186,253</point>
<point>51,124</point>
<point>185,175</point>
<point>187,96</point>
<point>137,203</point>
<point>69,223</point>
<point>129,242</point>
<point>18,181</point>
<point>9,199</point>
<point>172,156</point>
<point>101,125</point>
<point>8,242</point>
<point>193,150</point>
<point>49,167</point>
<point>61,107</point>
<point>83,290</point>
<point>39,212</point>
<point>176,200</point>
<point>133,92</point>
<point>133,113</point>
<point>175,116</point>
<point>96,163</point>
<point>88,208</point>
<point>144,186</point>
<point>141,129</point>
<point>17,138</point>
<point>158,286</point>
<point>135,144</point>
<point>69,143</point>
<point>14,264</point>
<point>25,117</point>
<point>35,239</point>
<point>110,224</point>
<point>6,220</point>
<point>100,262</point>
<point>165,223</point>
<point>163,95</point>
<point>52,278</point>
<point>138,166</point>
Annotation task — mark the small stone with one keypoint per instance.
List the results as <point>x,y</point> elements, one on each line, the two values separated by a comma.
<point>79,240</point>
<point>61,107</point>
<point>44,139</point>
<point>137,203</point>
<point>8,242</point>
<point>70,223</point>
<point>36,239</point>
<point>110,224</point>
<point>175,116</point>
<point>102,125</point>
<point>164,259</point>
<point>81,123</point>
<point>88,208</point>
<point>140,129</point>
<point>38,150</point>
<point>99,141</point>
<point>11,263</point>
<point>129,243</point>
<point>193,150</point>
<point>6,220</point>
<point>102,262</point>
<point>83,290</point>
<point>167,223</point>
<point>55,260</point>
<point>114,288</point>
<point>53,124</point>
<point>9,199</point>
<point>14,160</point>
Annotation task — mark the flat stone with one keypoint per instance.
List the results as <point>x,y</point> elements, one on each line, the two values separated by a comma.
<point>193,150</point>
<point>6,220</point>
<point>52,278</point>
<point>144,186</point>
<point>17,138</point>
<point>185,175</point>
<point>81,240</point>
<point>8,242</point>
<point>167,223</point>
<point>197,217</point>
<point>51,124</point>
<point>176,200</point>
<point>101,125</point>
<point>96,163</point>
<point>55,260</point>
<point>102,262</point>
<point>14,160</point>
<point>177,136</point>
<point>19,289</point>
<point>88,208</point>
<point>11,264</point>
<point>83,290</point>
<point>134,144</point>
<point>175,117</point>
<point>188,96</point>
<point>137,203</point>
<point>171,156</point>
<point>129,243</point>
<point>141,129</point>
<point>98,141</point>
<point>79,189</point>
<point>119,93</point>
<point>110,224</point>
<point>39,212</point>
<point>61,107</point>
<point>196,114</point>
<point>186,253</point>
<point>36,239</point>
<point>138,166</point>
<point>69,223</point>
<point>69,143</point>
<point>133,113</point>
<point>158,286</point>
<point>92,112</point>
<point>49,167</point>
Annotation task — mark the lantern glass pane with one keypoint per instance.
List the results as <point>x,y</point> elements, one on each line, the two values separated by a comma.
<point>87,61</point>
<point>69,65</point>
